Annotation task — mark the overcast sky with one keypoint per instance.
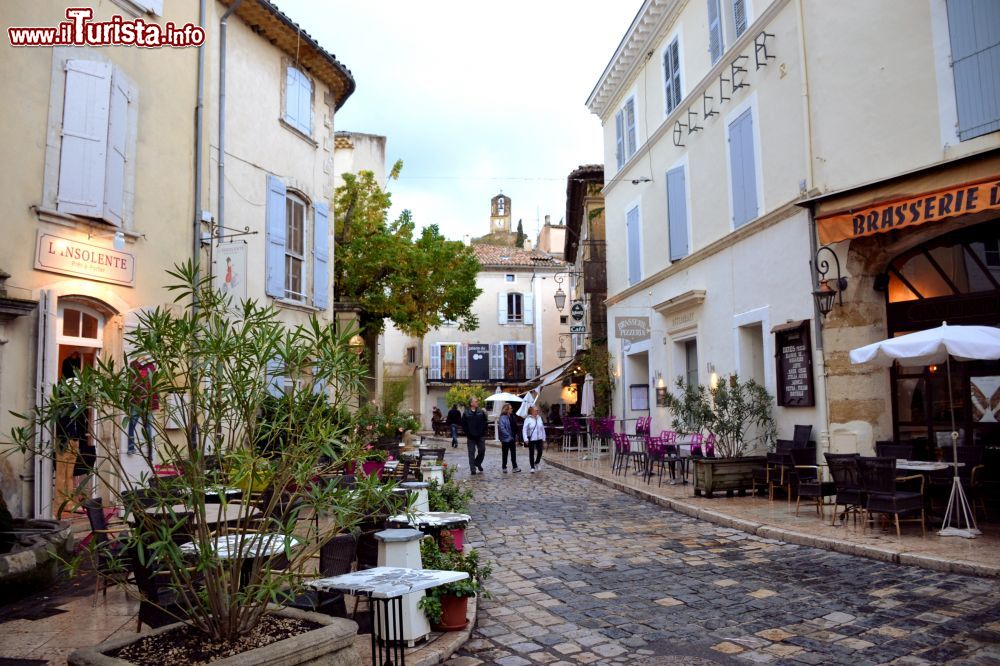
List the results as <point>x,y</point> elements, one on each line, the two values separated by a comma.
<point>474,97</point>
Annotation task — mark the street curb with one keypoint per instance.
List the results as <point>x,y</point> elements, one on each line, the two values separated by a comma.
<point>766,531</point>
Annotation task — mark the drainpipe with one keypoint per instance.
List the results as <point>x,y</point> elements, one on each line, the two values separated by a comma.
<point>199,125</point>
<point>221,212</point>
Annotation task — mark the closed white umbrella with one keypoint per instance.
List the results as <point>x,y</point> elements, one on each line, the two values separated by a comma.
<point>937,345</point>
<point>587,399</point>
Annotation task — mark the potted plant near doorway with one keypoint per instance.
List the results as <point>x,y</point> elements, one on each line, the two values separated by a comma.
<point>220,364</point>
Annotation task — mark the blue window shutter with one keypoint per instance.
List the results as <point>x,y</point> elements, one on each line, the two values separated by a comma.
<point>496,360</point>
<point>677,213</point>
<point>632,234</point>
<point>744,177</point>
<point>275,382</point>
<point>529,360</point>
<point>620,139</point>
<point>502,307</point>
<point>462,360</point>
<point>715,45</point>
<point>974,28</point>
<point>740,16</point>
<point>275,252</point>
<point>321,255</point>
<point>630,138</point>
<point>435,370</point>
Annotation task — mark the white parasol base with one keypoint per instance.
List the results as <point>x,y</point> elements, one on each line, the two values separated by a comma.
<point>960,512</point>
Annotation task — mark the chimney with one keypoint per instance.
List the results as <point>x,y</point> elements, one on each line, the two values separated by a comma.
<point>528,244</point>
<point>547,217</point>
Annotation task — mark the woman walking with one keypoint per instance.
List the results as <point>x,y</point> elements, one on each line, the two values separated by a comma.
<point>507,428</point>
<point>534,434</point>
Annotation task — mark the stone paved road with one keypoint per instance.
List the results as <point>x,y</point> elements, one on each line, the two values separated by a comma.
<point>585,574</point>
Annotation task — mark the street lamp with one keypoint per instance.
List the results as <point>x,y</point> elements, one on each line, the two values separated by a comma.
<point>825,294</point>
<point>560,295</point>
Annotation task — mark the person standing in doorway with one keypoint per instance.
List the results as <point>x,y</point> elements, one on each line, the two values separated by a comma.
<point>534,434</point>
<point>454,420</point>
<point>507,429</point>
<point>474,424</point>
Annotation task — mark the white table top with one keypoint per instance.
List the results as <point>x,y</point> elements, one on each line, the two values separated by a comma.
<point>214,513</point>
<point>255,545</point>
<point>432,519</point>
<point>387,582</point>
<point>924,466</point>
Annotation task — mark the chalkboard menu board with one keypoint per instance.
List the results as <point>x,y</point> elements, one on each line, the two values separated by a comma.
<point>793,350</point>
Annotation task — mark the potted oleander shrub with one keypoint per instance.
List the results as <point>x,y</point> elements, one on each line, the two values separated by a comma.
<point>247,400</point>
<point>446,606</point>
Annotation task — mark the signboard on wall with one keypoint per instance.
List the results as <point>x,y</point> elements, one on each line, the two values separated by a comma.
<point>479,362</point>
<point>793,351</point>
<point>632,329</point>
<point>231,269</point>
<point>87,260</point>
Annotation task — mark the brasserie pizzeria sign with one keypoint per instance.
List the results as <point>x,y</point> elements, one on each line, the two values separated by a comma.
<point>633,329</point>
<point>910,212</point>
<point>72,257</point>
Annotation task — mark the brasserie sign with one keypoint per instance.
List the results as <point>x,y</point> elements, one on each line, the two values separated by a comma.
<point>72,257</point>
<point>632,329</point>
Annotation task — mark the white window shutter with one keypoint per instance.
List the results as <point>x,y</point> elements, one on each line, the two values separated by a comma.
<point>275,381</point>
<point>529,360</point>
<point>275,252</point>
<point>496,360</point>
<point>84,138</point>
<point>462,360</point>
<point>114,175</point>
<point>321,255</point>
<point>528,308</point>
<point>632,240</point>
<point>630,137</point>
<point>620,139</point>
<point>502,308</point>
<point>677,213</point>
<point>435,370</point>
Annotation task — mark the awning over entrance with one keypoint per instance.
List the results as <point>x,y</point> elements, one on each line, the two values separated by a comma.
<point>554,375</point>
<point>930,195</point>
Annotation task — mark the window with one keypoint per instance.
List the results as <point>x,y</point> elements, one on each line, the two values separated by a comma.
<point>563,319</point>
<point>78,323</point>
<point>991,252</point>
<point>298,100</point>
<point>98,117</point>
<point>974,29</point>
<point>515,308</point>
<point>509,277</point>
<point>295,232</point>
<point>672,74</point>
<point>632,233</point>
<point>677,213</point>
<point>449,361</point>
<point>625,140</point>
<point>740,19</point>
<point>743,167</point>
<point>411,355</point>
<point>715,45</point>
<point>289,245</point>
<point>512,361</point>
<point>691,363</point>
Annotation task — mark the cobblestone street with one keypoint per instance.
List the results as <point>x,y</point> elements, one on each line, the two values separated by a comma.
<point>585,574</point>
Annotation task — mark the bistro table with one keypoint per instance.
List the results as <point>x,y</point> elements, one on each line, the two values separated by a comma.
<point>434,522</point>
<point>385,587</point>
<point>250,546</point>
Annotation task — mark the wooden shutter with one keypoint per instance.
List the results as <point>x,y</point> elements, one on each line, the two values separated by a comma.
<point>435,370</point>
<point>528,309</point>
<point>672,75</point>
<point>529,361</point>
<point>83,156</point>
<point>974,28</point>
<point>502,307</point>
<point>744,176</point>
<point>305,103</point>
<point>462,360</point>
<point>275,381</point>
<point>677,213</point>
<point>321,255</point>
<point>275,252</point>
<point>496,360</point>
<point>620,139</point>
<point>630,140</point>
<point>46,375</point>
<point>632,238</point>
<point>114,176</point>
<point>714,30</point>
<point>740,16</point>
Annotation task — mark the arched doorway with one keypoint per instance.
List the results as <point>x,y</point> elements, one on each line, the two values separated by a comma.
<point>955,278</point>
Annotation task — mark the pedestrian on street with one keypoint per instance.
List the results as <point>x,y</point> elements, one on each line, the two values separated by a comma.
<point>454,420</point>
<point>534,434</point>
<point>507,429</point>
<point>474,424</point>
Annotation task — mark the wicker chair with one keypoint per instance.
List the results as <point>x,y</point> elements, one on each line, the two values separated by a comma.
<point>336,557</point>
<point>847,486</point>
<point>878,478</point>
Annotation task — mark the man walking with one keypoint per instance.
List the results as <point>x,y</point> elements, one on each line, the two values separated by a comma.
<point>474,424</point>
<point>454,420</point>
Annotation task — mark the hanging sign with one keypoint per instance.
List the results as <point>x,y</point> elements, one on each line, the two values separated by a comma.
<point>577,310</point>
<point>231,269</point>
<point>632,329</point>
<point>71,257</point>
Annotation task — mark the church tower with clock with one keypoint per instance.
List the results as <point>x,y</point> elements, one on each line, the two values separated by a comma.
<point>500,214</point>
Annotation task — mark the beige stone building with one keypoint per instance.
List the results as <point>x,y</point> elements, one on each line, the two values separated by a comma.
<point>106,189</point>
<point>739,135</point>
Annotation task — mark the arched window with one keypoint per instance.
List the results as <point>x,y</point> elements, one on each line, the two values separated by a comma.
<point>964,262</point>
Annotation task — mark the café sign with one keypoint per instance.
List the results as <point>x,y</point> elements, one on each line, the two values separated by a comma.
<point>80,259</point>
<point>632,329</point>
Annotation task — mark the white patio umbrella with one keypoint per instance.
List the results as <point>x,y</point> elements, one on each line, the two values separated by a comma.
<point>936,345</point>
<point>503,396</point>
<point>587,399</point>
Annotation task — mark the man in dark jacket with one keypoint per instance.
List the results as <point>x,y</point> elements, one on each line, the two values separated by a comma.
<point>454,420</point>
<point>474,424</point>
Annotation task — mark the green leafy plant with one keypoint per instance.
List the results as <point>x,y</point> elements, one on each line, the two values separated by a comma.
<point>691,408</point>
<point>449,496</point>
<point>462,394</point>
<point>448,559</point>
<point>596,362</point>
<point>742,416</point>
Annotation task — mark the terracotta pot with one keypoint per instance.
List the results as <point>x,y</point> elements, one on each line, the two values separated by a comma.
<point>453,610</point>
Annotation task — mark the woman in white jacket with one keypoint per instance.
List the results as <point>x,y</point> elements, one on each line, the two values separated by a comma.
<point>533,432</point>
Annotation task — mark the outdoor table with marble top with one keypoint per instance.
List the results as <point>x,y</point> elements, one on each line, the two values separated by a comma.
<point>257,545</point>
<point>386,582</point>
<point>447,520</point>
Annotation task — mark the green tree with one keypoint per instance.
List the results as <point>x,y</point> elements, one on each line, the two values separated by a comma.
<point>388,271</point>
<point>521,236</point>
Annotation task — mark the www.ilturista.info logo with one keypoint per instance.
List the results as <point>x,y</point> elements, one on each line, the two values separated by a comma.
<point>79,30</point>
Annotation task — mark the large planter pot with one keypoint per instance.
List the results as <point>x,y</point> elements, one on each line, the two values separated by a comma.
<point>453,611</point>
<point>713,475</point>
<point>331,644</point>
<point>370,467</point>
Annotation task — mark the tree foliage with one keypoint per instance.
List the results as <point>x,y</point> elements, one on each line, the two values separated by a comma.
<point>389,271</point>
<point>521,236</point>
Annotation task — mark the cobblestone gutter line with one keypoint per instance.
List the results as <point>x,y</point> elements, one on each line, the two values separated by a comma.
<point>791,536</point>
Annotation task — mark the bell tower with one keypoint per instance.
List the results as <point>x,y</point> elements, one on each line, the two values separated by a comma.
<point>500,214</point>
